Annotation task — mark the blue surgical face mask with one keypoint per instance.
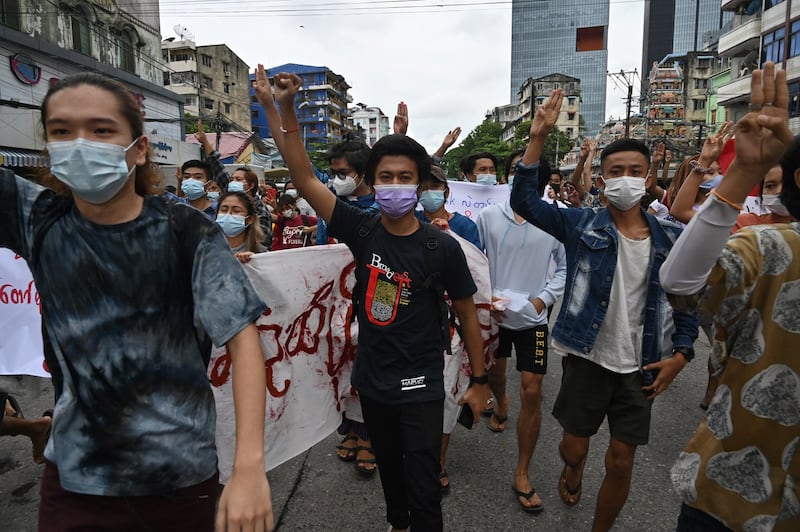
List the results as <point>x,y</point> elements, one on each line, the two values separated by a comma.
<point>235,186</point>
<point>510,180</point>
<point>193,188</point>
<point>95,171</point>
<point>432,200</point>
<point>231,224</point>
<point>486,179</point>
<point>213,195</point>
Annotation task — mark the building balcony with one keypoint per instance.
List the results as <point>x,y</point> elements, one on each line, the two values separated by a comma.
<point>733,5</point>
<point>741,38</point>
<point>734,91</point>
<point>774,17</point>
<point>182,66</point>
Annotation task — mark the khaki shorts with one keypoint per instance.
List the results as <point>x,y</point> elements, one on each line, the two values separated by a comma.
<point>589,393</point>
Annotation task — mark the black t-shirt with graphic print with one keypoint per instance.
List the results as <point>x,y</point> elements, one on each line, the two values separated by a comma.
<point>400,346</point>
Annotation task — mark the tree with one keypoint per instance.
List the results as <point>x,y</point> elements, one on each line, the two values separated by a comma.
<point>190,122</point>
<point>556,146</point>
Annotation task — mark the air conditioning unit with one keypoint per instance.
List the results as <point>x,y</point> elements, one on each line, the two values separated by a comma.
<point>227,73</point>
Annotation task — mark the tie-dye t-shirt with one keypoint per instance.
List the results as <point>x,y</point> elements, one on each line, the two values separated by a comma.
<point>742,465</point>
<point>128,312</point>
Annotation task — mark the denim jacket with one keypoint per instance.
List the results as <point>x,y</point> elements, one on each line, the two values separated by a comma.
<point>591,242</point>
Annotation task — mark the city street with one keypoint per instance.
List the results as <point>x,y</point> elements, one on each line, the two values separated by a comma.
<point>316,491</point>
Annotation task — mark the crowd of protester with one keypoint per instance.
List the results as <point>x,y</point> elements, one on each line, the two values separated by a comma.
<point>640,261</point>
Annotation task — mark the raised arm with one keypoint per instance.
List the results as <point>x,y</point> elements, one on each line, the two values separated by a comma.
<point>294,152</point>
<point>762,137</point>
<point>218,172</point>
<point>401,119</point>
<point>449,140</point>
<point>263,91</point>
<point>655,191</point>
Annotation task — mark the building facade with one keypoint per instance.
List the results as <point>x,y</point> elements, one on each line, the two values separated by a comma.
<point>322,103</point>
<point>213,80</point>
<point>566,36</point>
<point>370,122</point>
<point>533,92</point>
<point>767,30</point>
<point>45,41</point>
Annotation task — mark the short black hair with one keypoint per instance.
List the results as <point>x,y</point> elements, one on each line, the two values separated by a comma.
<point>544,175</point>
<point>507,166</point>
<point>398,145</point>
<point>468,163</point>
<point>790,192</point>
<point>621,145</point>
<point>354,151</point>
<point>196,163</point>
<point>286,200</point>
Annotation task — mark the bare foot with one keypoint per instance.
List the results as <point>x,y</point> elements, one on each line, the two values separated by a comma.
<point>40,433</point>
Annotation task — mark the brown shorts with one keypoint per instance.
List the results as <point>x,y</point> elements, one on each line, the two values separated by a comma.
<point>185,509</point>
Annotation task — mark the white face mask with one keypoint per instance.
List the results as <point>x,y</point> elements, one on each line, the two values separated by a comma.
<point>95,171</point>
<point>287,213</point>
<point>344,185</point>
<point>625,192</point>
<point>291,192</point>
<point>772,202</point>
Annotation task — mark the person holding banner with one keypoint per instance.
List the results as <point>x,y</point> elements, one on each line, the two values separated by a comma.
<point>132,286</point>
<point>398,369</point>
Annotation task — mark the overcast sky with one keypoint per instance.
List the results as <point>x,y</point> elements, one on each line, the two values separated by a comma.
<point>450,64</point>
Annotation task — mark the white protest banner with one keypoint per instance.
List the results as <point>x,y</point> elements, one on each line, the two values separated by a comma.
<point>21,351</point>
<point>470,198</point>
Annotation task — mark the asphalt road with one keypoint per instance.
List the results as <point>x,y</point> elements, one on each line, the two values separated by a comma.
<point>317,492</point>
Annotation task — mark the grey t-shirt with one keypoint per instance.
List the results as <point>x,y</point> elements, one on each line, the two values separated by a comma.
<point>128,312</point>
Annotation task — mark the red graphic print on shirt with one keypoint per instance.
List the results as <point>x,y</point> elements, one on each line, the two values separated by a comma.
<point>386,291</point>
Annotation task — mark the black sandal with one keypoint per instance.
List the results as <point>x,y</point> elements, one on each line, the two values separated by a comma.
<point>351,451</point>
<point>362,462</point>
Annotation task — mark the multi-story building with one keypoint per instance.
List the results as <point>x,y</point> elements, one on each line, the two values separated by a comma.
<point>212,78</point>
<point>677,97</point>
<point>768,30</point>
<point>46,41</point>
<point>534,91</point>
<point>679,27</point>
<point>508,116</point>
<point>321,104</point>
<point>567,36</point>
<point>369,122</point>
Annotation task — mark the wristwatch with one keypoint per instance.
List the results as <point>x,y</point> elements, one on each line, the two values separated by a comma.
<point>483,379</point>
<point>688,352</point>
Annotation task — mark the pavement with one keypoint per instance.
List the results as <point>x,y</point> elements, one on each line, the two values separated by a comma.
<point>317,492</point>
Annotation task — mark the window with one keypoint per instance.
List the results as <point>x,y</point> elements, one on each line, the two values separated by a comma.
<point>699,104</point>
<point>190,100</point>
<point>166,78</point>
<point>81,36</point>
<point>794,99</point>
<point>773,46</point>
<point>207,82</point>
<point>572,100</point>
<point>9,13</point>
<point>127,54</point>
<point>794,39</point>
<point>226,68</point>
<point>772,3</point>
<point>254,114</point>
<point>570,131</point>
<point>253,99</point>
<point>227,108</point>
<point>226,88</point>
<point>181,56</point>
<point>205,59</point>
<point>556,85</point>
<point>209,104</point>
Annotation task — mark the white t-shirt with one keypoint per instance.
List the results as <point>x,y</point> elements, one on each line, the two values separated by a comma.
<point>618,346</point>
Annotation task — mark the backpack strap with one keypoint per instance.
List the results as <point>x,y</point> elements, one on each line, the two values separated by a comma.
<point>434,280</point>
<point>364,230</point>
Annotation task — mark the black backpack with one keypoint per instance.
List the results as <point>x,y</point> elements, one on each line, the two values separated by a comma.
<point>434,266</point>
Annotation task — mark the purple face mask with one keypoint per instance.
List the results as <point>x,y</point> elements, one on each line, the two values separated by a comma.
<point>396,200</point>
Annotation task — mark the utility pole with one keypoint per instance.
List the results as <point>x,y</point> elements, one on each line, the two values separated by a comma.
<point>626,78</point>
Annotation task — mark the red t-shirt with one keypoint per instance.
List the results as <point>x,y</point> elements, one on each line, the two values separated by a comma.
<point>289,232</point>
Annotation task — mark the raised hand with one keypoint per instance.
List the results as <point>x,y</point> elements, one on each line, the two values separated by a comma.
<point>451,137</point>
<point>286,88</point>
<point>547,114</point>
<point>401,119</point>
<point>201,134</point>
<point>262,87</point>
<point>658,156</point>
<point>763,134</point>
<point>714,144</point>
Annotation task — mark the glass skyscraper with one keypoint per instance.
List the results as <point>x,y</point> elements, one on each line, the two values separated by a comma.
<point>693,19</point>
<point>563,37</point>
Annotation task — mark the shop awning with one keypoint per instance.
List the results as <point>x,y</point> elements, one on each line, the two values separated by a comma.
<point>22,158</point>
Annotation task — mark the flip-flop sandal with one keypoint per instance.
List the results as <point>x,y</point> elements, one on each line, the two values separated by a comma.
<point>445,487</point>
<point>351,451</point>
<point>565,492</point>
<point>528,509</point>
<point>500,423</point>
<point>362,462</point>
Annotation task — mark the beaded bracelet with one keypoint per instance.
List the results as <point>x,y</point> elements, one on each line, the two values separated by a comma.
<point>723,199</point>
<point>697,168</point>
